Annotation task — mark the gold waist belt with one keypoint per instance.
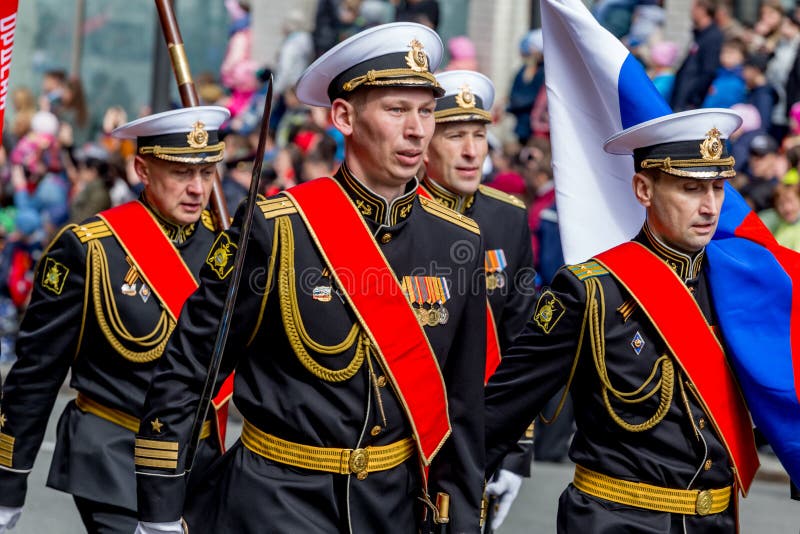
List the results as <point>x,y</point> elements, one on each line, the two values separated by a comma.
<point>85,404</point>
<point>676,501</point>
<point>329,459</point>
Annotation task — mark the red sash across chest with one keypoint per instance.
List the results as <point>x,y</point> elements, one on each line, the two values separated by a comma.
<point>680,322</point>
<point>156,257</point>
<point>349,249</point>
<point>163,269</point>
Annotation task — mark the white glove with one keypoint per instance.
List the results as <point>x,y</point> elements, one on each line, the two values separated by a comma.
<point>505,486</point>
<point>9,515</point>
<point>169,527</point>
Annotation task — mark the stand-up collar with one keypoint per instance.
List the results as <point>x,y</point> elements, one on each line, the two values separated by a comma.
<point>448,199</point>
<point>373,206</point>
<point>686,266</point>
<point>175,232</point>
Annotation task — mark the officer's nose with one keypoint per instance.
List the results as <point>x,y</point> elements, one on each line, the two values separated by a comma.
<point>195,186</point>
<point>710,204</point>
<point>468,148</point>
<point>415,125</point>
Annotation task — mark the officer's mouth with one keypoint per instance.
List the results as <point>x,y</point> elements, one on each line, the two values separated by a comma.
<point>705,228</point>
<point>467,172</point>
<point>409,157</point>
<point>191,207</point>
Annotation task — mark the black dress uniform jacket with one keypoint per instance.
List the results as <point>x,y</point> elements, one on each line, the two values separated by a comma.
<point>81,320</point>
<point>671,445</point>
<point>285,388</point>
<point>503,220</point>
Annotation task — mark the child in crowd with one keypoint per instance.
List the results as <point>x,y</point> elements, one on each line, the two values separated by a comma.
<point>792,138</point>
<point>783,219</point>
<point>759,92</point>
<point>662,62</point>
<point>728,88</point>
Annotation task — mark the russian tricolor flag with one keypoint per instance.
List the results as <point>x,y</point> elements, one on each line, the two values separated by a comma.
<point>595,88</point>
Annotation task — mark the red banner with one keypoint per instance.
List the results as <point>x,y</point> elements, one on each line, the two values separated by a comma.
<point>8,25</point>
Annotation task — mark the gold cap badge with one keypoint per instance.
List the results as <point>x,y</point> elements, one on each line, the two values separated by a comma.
<point>198,137</point>
<point>465,98</point>
<point>416,59</point>
<point>711,147</point>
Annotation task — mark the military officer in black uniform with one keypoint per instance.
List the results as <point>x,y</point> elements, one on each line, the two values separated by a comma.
<point>104,305</point>
<point>359,336</point>
<point>652,452</point>
<point>454,168</point>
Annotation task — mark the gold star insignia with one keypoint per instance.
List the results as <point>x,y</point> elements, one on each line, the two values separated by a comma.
<point>156,425</point>
<point>2,420</point>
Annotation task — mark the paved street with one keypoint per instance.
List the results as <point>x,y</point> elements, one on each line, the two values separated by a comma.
<point>768,509</point>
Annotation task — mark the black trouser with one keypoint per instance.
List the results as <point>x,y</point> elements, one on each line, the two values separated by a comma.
<point>100,518</point>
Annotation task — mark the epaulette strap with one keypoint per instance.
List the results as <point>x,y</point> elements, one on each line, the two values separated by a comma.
<point>589,269</point>
<point>207,220</point>
<point>434,208</point>
<point>92,230</point>
<point>276,207</point>
<point>500,195</point>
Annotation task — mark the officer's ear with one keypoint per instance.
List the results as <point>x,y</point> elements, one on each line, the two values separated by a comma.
<point>643,184</point>
<point>343,116</point>
<point>142,170</point>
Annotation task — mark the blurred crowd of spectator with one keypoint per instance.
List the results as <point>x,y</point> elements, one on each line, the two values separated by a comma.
<point>754,69</point>
<point>58,165</point>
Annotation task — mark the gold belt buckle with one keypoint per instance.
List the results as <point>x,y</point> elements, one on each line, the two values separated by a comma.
<point>704,502</point>
<point>358,463</point>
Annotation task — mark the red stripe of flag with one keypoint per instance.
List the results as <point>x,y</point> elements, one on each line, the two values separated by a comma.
<point>753,229</point>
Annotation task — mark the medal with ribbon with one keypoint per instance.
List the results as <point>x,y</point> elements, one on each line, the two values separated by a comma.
<point>495,264</point>
<point>412,291</point>
<point>129,283</point>
<point>432,318</point>
<point>427,295</point>
<point>443,294</point>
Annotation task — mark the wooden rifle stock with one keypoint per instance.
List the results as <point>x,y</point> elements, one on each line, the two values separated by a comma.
<point>186,88</point>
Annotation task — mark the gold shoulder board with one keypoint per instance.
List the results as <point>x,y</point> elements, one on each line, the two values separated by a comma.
<point>491,192</point>
<point>207,220</point>
<point>92,230</point>
<point>590,269</point>
<point>434,208</point>
<point>276,207</point>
